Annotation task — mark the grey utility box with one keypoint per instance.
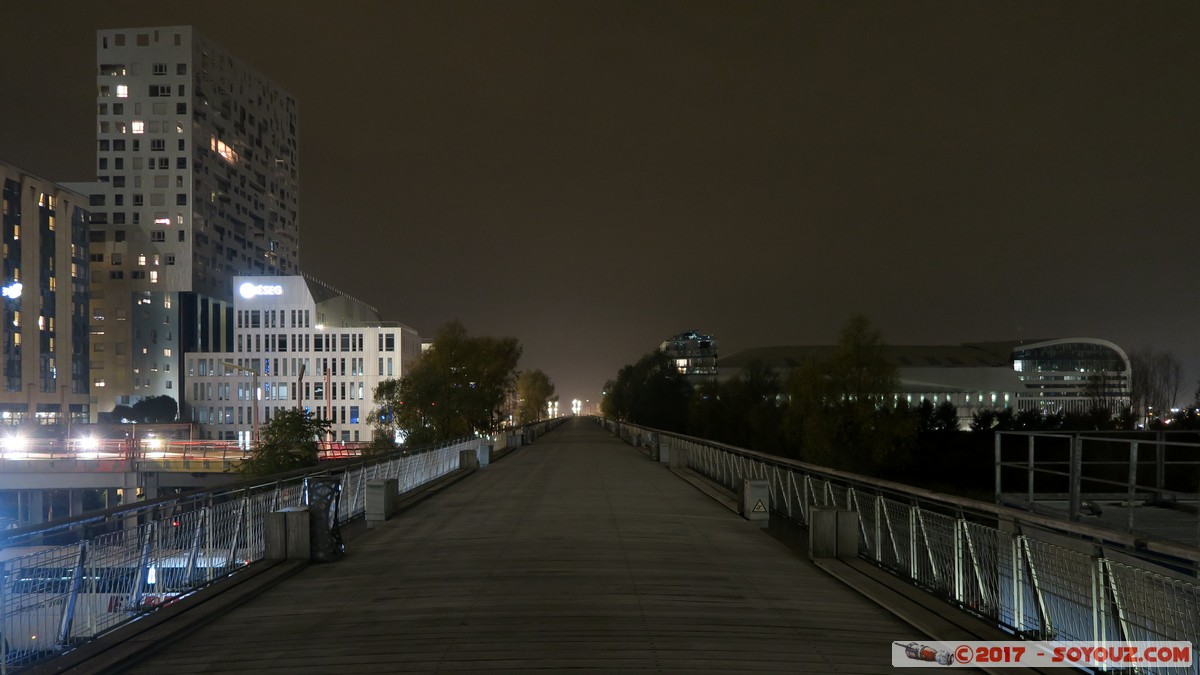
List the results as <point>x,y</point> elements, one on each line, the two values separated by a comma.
<point>468,459</point>
<point>832,533</point>
<point>664,450</point>
<point>485,452</point>
<point>382,496</point>
<point>754,498</point>
<point>287,534</point>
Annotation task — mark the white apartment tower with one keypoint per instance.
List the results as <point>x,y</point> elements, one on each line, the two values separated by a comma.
<point>198,169</point>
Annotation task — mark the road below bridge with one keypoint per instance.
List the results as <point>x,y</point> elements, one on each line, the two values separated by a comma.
<point>575,553</point>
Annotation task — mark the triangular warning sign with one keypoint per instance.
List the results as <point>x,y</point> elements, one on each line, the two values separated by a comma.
<point>759,508</point>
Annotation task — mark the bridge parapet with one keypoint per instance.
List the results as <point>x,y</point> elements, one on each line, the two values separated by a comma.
<point>66,581</point>
<point>1030,574</point>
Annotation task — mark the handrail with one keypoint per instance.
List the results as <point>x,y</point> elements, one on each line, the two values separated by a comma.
<point>134,558</point>
<point>1032,575</point>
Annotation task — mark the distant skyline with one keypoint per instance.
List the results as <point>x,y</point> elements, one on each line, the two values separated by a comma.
<point>593,178</point>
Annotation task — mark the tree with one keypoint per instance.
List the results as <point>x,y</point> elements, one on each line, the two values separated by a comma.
<point>286,443</point>
<point>455,389</point>
<point>534,391</point>
<point>1154,382</point>
<point>840,414</point>
<point>746,410</point>
<point>155,409</point>
<point>651,392</point>
<point>121,413</point>
<point>383,417</point>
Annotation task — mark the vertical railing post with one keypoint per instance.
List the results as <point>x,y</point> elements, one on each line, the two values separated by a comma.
<point>879,527</point>
<point>1029,473</point>
<point>1096,569</point>
<point>996,448</point>
<point>1160,464</point>
<point>139,585</point>
<point>912,541</point>
<point>1076,472</point>
<point>240,529</point>
<point>3,610</point>
<point>959,581</point>
<point>1133,473</point>
<point>197,536</point>
<point>1018,576</point>
<point>68,615</point>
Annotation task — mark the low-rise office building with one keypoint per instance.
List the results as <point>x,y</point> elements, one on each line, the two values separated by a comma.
<point>297,343</point>
<point>1068,375</point>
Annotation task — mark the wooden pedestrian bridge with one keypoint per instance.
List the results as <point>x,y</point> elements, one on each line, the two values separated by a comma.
<point>583,546</point>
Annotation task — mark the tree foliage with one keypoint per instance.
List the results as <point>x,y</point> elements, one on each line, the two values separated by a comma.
<point>746,410</point>
<point>840,414</point>
<point>1155,382</point>
<point>286,443</point>
<point>534,391</point>
<point>651,392</point>
<point>149,410</point>
<point>455,389</point>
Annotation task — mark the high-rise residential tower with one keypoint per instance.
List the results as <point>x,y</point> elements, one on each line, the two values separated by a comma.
<point>198,169</point>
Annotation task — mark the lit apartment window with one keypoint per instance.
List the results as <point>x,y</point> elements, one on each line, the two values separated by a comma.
<point>139,127</point>
<point>223,150</point>
<point>122,91</point>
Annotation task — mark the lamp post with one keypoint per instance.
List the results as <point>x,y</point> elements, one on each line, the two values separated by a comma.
<point>254,395</point>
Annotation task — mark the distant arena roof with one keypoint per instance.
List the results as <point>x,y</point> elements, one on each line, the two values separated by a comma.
<point>968,355</point>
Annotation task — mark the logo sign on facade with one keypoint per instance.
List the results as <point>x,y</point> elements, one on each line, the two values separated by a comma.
<point>251,290</point>
<point>11,291</point>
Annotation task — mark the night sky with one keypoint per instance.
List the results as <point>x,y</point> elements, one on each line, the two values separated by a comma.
<point>593,177</point>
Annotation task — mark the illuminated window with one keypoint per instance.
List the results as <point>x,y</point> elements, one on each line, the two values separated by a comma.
<point>139,127</point>
<point>223,150</point>
<point>142,259</point>
<point>98,382</point>
<point>122,91</point>
<point>154,276</point>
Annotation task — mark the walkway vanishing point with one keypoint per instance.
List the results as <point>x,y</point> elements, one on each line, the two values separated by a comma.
<point>576,553</point>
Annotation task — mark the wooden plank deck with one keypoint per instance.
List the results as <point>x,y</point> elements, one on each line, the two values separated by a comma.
<point>575,553</point>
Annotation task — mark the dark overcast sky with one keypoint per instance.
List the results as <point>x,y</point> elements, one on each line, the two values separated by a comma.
<point>593,177</point>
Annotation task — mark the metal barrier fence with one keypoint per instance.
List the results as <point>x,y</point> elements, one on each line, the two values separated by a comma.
<point>66,582</point>
<point>1035,576</point>
<point>1144,482</point>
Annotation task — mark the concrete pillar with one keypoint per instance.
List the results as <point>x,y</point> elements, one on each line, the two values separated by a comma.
<point>833,533</point>
<point>75,495</point>
<point>754,496</point>
<point>287,534</point>
<point>31,507</point>
<point>382,495</point>
<point>468,459</point>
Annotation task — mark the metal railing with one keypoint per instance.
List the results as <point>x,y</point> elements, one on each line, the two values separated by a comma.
<point>1032,575</point>
<point>1139,482</point>
<point>65,582</point>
